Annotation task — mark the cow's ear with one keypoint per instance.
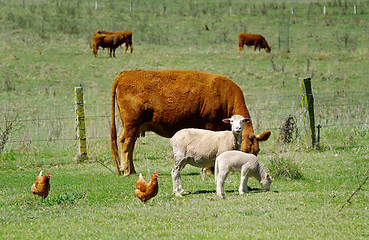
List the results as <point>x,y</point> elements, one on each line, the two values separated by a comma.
<point>264,136</point>
<point>227,120</point>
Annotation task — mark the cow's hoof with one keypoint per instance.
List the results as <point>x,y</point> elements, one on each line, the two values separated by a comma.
<point>128,174</point>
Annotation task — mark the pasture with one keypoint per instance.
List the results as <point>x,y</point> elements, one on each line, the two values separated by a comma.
<point>46,52</point>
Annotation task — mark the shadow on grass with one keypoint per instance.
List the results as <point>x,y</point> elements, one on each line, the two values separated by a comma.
<point>256,190</point>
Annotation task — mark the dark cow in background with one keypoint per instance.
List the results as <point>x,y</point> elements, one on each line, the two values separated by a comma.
<point>167,101</point>
<point>249,39</point>
<point>111,41</point>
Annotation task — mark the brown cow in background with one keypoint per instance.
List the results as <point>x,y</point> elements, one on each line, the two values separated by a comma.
<point>167,101</point>
<point>127,34</point>
<point>111,41</point>
<point>249,39</point>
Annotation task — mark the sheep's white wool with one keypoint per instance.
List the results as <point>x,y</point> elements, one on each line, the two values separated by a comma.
<point>237,161</point>
<point>199,147</point>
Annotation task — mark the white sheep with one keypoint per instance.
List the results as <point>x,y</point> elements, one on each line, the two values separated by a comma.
<point>237,161</point>
<point>199,147</point>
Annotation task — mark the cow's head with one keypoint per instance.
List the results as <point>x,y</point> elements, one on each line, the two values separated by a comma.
<point>250,142</point>
<point>268,49</point>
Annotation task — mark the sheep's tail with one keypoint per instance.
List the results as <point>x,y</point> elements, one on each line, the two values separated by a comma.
<point>113,133</point>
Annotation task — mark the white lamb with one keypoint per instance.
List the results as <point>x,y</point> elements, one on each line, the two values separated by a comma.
<point>199,147</point>
<point>237,161</point>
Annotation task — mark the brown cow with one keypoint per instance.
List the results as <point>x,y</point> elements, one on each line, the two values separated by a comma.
<point>169,100</point>
<point>111,41</point>
<point>127,34</point>
<point>249,39</point>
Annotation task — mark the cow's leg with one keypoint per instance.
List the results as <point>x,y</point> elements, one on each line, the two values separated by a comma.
<point>94,49</point>
<point>243,185</point>
<point>114,52</point>
<point>125,50</point>
<point>127,141</point>
<point>240,47</point>
<point>131,47</point>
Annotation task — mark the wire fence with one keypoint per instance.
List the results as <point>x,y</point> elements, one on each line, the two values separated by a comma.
<point>340,113</point>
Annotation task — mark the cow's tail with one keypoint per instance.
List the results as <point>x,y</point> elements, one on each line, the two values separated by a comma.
<point>113,132</point>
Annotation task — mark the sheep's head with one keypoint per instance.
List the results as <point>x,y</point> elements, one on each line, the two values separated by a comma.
<point>266,182</point>
<point>237,123</point>
<point>250,141</point>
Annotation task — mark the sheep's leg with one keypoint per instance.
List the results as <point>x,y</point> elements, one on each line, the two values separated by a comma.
<point>243,185</point>
<point>222,175</point>
<point>176,177</point>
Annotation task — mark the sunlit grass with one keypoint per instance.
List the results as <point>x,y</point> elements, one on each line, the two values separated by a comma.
<point>45,58</point>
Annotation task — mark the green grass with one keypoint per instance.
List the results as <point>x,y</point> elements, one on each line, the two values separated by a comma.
<point>45,52</point>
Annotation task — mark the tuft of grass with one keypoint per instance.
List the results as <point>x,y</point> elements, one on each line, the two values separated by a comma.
<point>65,199</point>
<point>284,167</point>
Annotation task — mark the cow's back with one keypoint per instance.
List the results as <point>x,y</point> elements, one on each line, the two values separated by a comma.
<point>169,100</point>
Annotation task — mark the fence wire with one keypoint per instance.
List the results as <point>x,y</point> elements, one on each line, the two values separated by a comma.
<point>57,123</point>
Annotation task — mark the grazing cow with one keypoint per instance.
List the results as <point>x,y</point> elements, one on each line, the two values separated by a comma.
<point>111,41</point>
<point>127,34</point>
<point>167,101</point>
<point>249,39</point>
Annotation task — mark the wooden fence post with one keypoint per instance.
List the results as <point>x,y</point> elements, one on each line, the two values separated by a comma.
<point>80,125</point>
<point>307,101</point>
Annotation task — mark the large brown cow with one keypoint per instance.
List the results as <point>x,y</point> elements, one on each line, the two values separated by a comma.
<point>127,35</point>
<point>249,39</point>
<point>169,100</point>
<point>111,41</point>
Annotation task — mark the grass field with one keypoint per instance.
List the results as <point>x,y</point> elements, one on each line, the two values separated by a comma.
<point>45,52</point>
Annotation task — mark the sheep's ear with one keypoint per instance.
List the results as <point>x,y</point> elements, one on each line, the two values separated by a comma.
<point>227,120</point>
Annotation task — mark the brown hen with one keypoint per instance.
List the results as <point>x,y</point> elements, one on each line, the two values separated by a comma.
<point>145,191</point>
<point>41,187</point>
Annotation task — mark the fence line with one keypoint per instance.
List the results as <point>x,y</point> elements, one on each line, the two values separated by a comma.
<point>108,104</point>
<point>109,87</point>
<point>151,133</point>
<point>248,99</point>
<point>108,116</point>
<point>323,102</point>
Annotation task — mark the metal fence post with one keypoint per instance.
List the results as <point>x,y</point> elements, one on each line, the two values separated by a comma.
<point>307,101</point>
<point>284,34</point>
<point>318,141</point>
<point>80,125</point>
